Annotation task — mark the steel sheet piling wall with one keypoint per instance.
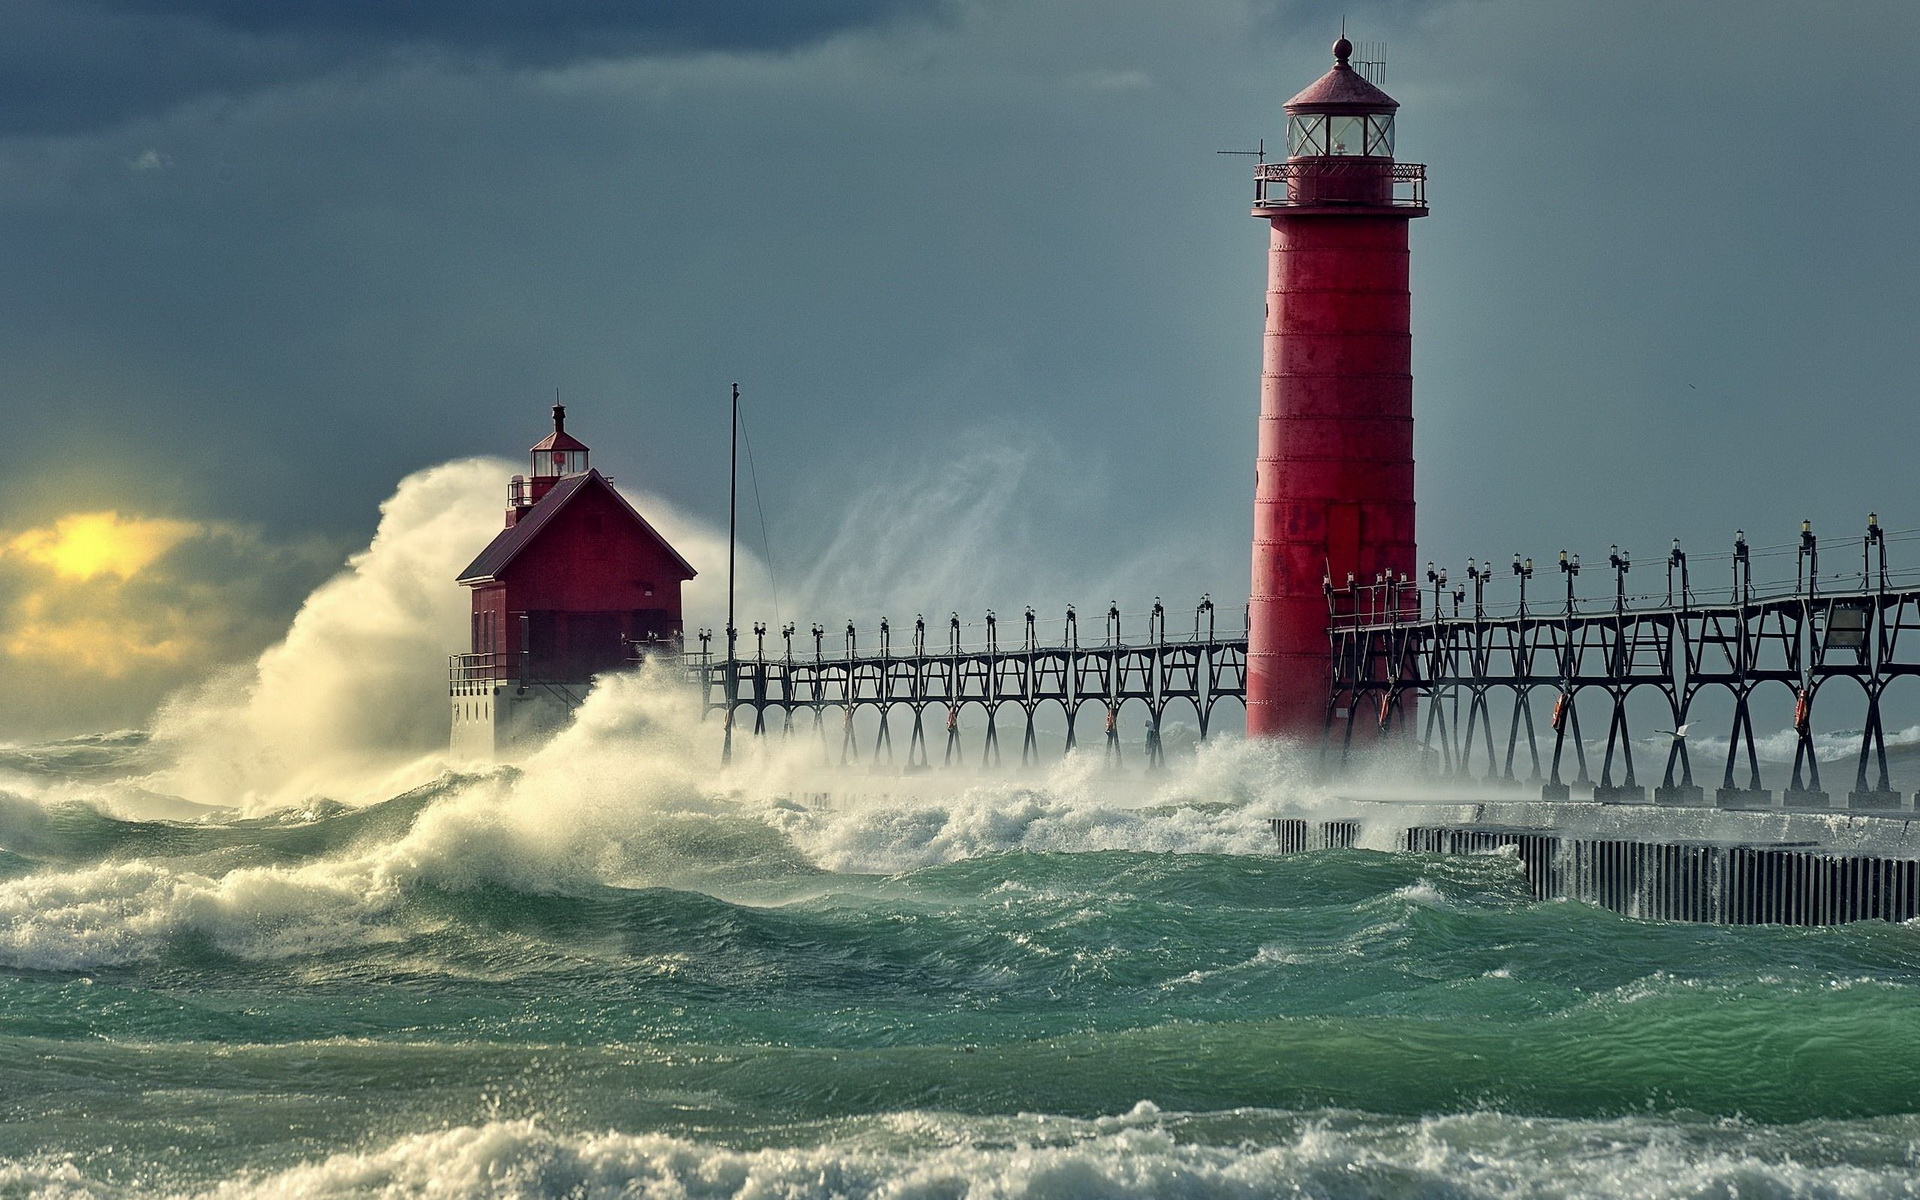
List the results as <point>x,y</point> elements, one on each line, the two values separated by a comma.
<point>1680,881</point>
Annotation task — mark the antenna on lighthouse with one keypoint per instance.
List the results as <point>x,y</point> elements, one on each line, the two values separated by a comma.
<point>1370,59</point>
<point>1259,155</point>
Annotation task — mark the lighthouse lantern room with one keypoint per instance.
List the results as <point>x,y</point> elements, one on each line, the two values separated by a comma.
<point>576,585</point>
<point>555,457</point>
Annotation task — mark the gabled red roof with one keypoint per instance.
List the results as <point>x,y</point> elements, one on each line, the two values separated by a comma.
<point>508,544</point>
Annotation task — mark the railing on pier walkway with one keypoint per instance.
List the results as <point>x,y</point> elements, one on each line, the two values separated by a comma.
<point>1159,672</point>
<point>1394,641</point>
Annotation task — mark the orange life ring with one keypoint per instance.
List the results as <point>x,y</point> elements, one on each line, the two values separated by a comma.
<point>1802,710</point>
<point>1559,718</point>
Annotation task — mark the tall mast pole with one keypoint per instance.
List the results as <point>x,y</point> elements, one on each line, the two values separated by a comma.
<point>733,507</point>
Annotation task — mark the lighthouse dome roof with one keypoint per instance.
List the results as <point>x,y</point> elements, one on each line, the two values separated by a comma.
<point>1342,90</point>
<point>559,439</point>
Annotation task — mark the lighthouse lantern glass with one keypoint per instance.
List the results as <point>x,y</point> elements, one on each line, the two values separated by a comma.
<point>1347,135</point>
<point>1380,135</point>
<point>1306,135</point>
<point>1313,135</point>
<point>559,462</point>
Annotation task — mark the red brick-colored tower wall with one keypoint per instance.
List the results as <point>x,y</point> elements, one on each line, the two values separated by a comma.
<point>1334,489</point>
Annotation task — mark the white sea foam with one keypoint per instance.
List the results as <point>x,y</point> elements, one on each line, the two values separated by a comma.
<point>1143,1153</point>
<point>595,807</point>
<point>125,912</point>
<point>581,813</point>
<point>1423,893</point>
<point>1070,809</point>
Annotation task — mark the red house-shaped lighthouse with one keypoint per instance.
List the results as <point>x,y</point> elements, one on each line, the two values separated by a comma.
<point>577,584</point>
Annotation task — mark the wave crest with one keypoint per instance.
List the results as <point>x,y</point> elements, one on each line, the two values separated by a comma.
<point>1143,1153</point>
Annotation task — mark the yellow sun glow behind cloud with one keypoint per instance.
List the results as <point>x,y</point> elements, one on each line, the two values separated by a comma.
<point>103,613</point>
<point>81,546</point>
<point>110,645</point>
<point>80,598</point>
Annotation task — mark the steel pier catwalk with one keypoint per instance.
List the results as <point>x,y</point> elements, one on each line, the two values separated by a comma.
<point>823,693</point>
<point>1386,650</point>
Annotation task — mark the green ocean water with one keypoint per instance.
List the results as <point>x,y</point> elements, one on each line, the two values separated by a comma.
<point>1003,991</point>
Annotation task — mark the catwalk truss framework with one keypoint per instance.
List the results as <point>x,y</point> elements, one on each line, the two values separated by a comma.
<point>817,695</point>
<point>1399,664</point>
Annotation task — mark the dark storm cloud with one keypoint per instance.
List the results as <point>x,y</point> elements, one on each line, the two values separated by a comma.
<point>1664,291</point>
<point>66,67</point>
<point>541,28</point>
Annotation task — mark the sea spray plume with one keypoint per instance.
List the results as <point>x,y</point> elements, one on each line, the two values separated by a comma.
<point>946,534</point>
<point>351,704</point>
<point>956,533</point>
<point>704,597</point>
<point>355,691</point>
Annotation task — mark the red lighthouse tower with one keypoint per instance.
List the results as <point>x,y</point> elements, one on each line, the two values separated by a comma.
<point>577,584</point>
<point>1333,498</point>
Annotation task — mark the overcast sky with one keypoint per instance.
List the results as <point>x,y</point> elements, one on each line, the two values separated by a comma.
<point>259,261</point>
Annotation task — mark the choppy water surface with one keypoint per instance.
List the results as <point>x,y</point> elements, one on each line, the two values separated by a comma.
<point>472,990</point>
